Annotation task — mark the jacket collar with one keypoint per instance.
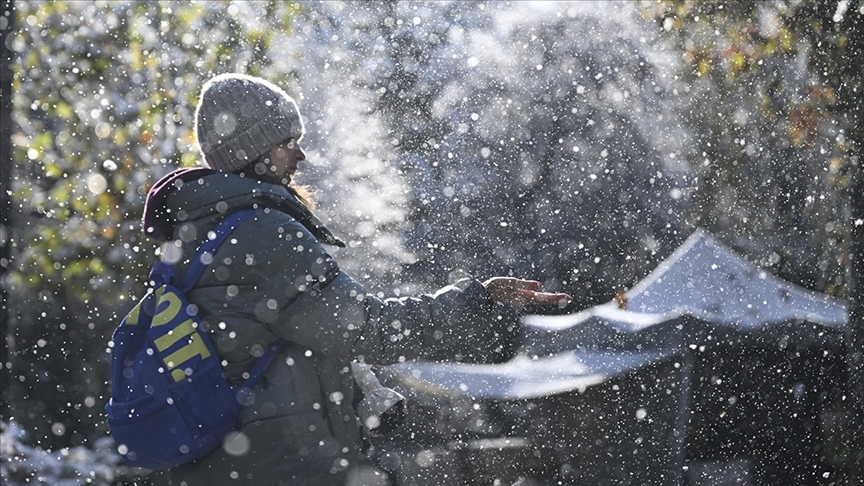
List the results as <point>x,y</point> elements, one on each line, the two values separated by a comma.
<point>191,194</point>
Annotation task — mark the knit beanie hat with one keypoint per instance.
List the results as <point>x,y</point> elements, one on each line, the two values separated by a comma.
<point>239,118</point>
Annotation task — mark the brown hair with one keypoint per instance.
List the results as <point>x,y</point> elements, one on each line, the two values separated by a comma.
<point>257,169</point>
<point>304,194</point>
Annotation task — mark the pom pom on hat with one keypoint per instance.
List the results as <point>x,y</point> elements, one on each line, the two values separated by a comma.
<point>239,118</point>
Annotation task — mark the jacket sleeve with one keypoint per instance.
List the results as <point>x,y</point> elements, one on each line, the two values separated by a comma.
<point>411,328</point>
<point>312,302</point>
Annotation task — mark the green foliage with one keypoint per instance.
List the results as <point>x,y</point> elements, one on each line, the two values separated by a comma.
<point>104,103</point>
<point>774,154</point>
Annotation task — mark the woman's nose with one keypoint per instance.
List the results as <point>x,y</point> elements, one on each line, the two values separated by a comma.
<point>301,155</point>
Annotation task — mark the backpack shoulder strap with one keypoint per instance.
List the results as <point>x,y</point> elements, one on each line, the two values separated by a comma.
<point>208,248</point>
<point>203,258</point>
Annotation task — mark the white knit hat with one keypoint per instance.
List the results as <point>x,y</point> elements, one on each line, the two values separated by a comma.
<point>239,118</point>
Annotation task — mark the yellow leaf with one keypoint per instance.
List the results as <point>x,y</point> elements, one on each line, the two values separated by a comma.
<point>52,170</point>
<point>738,62</point>
<point>135,49</point>
<point>704,67</point>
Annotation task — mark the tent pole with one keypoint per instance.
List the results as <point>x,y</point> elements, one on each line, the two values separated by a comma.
<point>683,418</point>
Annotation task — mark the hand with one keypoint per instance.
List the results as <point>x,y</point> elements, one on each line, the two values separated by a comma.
<point>509,290</point>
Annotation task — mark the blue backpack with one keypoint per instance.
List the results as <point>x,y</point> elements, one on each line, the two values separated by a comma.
<point>170,400</point>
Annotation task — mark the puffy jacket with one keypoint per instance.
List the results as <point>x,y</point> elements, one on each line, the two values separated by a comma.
<point>272,278</point>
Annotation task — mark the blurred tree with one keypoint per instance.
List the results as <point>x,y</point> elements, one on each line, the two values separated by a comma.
<point>779,122</point>
<point>488,145</point>
<point>556,162</point>
<point>771,149</point>
<point>7,25</point>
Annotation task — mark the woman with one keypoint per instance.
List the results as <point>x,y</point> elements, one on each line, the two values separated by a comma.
<point>274,279</point>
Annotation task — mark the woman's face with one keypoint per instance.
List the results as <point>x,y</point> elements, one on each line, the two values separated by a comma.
<point>284,159</point>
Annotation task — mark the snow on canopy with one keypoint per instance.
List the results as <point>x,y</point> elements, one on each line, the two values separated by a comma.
<point>703,287</point>
<point>705,279</point>
<point>703,291</point>
<point>524,377</point>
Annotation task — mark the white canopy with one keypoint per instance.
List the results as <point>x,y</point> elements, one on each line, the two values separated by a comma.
<point>524,377</point>
<point>702,287</point>
<point>705,279</point>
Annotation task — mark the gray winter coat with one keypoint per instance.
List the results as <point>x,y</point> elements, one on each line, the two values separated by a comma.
<point>271,279</point>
